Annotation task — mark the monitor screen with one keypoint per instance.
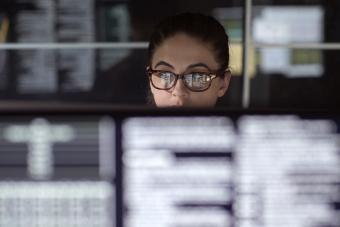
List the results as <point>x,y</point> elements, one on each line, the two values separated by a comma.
<point>170,169</point>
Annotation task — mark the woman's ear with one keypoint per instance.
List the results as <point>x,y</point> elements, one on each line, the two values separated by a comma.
<point>224,83</point>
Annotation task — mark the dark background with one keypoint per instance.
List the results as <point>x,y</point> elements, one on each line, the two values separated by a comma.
<point>119,74</point>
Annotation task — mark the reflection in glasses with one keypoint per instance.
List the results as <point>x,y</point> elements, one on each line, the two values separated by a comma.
<point>194,81</point>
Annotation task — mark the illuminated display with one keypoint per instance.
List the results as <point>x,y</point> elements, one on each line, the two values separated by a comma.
<point>216,171</point>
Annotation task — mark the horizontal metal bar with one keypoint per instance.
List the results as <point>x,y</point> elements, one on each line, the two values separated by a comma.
<point>116,45</point>
<point>144,45</point>
<point>320,46</point>
<point>106,45</point>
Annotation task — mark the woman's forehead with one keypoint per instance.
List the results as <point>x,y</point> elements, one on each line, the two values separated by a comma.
<point>181,49</point>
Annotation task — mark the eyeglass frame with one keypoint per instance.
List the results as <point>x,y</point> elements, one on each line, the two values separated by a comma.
<point>214,75</point>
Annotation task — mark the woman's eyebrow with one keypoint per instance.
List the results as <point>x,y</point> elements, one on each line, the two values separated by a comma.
<point>164,63</point>
<point>200,64</point>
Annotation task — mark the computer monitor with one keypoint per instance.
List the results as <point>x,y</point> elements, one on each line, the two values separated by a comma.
<point>165,168</point>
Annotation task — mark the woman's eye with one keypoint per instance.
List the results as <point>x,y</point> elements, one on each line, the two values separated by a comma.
<point>165,75</point>
<point>200,77</point>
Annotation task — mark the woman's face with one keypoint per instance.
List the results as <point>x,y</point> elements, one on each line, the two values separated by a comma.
<point>183,54</point>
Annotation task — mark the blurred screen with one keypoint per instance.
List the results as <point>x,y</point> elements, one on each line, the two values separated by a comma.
<point>287,25</point>
<point>178,167</point>
<point>56,171</point>
<point>132,169</point>
<point>83,51</point>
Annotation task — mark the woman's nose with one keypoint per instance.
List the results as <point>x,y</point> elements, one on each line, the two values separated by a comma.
<point>180,90</point>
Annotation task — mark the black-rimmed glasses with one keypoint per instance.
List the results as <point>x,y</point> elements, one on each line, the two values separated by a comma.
<point>194,81</point>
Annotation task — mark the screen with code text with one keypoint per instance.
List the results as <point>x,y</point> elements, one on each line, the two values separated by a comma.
<point>150,168</point>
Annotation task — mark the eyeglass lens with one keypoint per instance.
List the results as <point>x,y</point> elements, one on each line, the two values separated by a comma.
<point>195,81</point>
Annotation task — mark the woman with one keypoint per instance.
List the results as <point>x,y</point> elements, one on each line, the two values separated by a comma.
<point>188,61</point>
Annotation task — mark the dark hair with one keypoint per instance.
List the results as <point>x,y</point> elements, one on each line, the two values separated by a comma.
<point>203,27</point>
